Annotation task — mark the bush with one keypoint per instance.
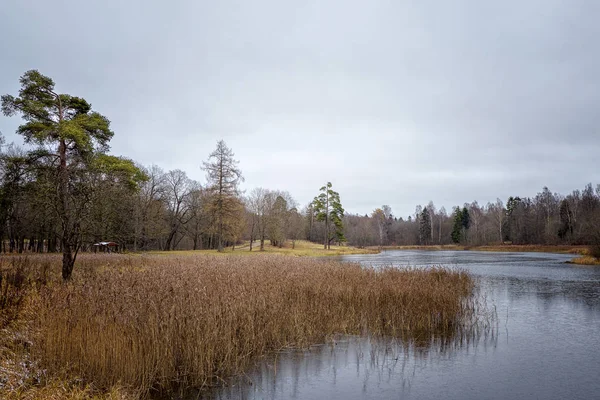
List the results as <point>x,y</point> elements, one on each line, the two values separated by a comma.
<point>594,251</point>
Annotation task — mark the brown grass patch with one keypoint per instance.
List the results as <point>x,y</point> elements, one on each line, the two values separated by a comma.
<point>302,248</point>
<point>585,260</point>
<point>154,323</point>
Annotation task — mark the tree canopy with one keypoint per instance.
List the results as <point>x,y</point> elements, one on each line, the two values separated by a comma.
<point>328,209</point>
<point>69,157</point>
<point>224,175</point>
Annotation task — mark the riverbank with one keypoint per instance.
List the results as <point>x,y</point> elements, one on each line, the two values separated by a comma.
<point>562,249</point>
<point>127,326</point>
<point>584,260</point>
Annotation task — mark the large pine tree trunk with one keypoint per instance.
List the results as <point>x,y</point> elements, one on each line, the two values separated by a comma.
<point>68,229</point>
<point>63,178</point>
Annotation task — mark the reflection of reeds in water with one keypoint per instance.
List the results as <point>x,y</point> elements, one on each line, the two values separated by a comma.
<point>374,360</point>
<point>162,323</point>
<point>370,365</point>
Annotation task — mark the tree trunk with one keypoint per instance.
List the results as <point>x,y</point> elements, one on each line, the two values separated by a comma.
<point>68,262</point>
<point>169,243</point>
<point>63,193</point>
<point>220,240</point>
<point>220,203</point>
<point>326,218</point>
<point>67,267</point>
<point>51,244</point>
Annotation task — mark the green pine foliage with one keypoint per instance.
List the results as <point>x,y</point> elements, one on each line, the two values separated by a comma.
<point>70,142</point>
<point>328,209</point>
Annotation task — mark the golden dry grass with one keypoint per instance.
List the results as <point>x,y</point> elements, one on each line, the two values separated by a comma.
<point>154,323</point>
<point>585,260</point>
<point>563,249</point>
<point>58,389</point>
<point>303,248</point>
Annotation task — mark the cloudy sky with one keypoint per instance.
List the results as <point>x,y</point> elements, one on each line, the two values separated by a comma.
<point>394,102</point>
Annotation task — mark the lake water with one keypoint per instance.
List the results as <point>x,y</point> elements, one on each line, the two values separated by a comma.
<point>545,345</point>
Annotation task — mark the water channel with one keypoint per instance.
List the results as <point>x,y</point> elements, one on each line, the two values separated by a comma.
<point>546,344</point>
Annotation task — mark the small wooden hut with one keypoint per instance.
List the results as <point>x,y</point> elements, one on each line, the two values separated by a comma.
<point>106,247</point>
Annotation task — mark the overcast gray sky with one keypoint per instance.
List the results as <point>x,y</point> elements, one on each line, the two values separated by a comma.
<point>394,102</point>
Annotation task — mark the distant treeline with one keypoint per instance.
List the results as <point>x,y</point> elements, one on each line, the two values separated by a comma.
<point>168,211</point>
<point>548,218</point>
<point>64,193</point>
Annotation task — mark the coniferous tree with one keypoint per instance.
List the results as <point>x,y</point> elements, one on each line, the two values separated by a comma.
<point>465,217</point>
<point>425,226</point>
<point>457,227</point>
<point>224,176</point>
<point>466,222</point>
<point>71,142</point>
<point>565,229</point>
<point>328,209</point>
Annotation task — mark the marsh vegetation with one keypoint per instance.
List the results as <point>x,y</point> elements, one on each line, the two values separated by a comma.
<point>141,325</point>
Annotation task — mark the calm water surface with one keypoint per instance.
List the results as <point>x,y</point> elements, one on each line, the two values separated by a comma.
<point>546,344</point>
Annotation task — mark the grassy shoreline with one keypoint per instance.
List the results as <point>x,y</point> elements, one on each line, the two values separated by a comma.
<point>125,323</point>
<point>303,248</point>
<point>584,260</point>
<point>562,249</point>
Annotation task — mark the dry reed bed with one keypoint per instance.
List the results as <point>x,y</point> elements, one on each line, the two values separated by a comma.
<point>585,260</point>
<point>156,323</point>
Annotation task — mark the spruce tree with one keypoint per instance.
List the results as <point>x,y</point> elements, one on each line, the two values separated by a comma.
<point>425,227</point>
<point>458,226</point>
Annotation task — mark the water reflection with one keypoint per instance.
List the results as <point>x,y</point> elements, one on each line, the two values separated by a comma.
<point>349,368</point>
<point>544,343</point>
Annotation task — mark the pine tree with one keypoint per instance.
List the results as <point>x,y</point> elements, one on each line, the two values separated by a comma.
<point>328,209</point>
<point>71,141</point>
